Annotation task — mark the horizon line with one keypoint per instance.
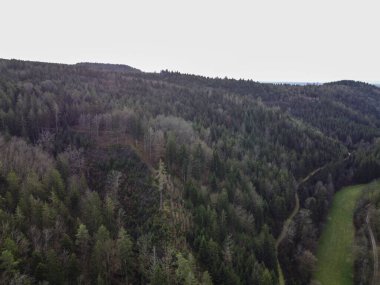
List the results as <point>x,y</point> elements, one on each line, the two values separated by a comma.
<point>290,82</point>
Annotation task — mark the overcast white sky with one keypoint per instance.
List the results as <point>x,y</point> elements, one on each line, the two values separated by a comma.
<point>267,40</point>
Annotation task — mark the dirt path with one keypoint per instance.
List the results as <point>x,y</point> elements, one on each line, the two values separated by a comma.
<point>288,221</point>
<point>286,225</point>
<point>283,235</point>
<point>374,250</point>
<point>296,208</point>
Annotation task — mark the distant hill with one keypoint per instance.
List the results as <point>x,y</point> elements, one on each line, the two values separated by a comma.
<point>300,83</point>
<point>108,67</point>
<point>343,110</point>
<point>350,83</point>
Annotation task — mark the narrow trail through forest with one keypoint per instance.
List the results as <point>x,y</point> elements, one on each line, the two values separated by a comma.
<point>375,277</point>
<point>295,210</point>
<point>286,225</point>
<point>288,221</point>
<point>296,207</point>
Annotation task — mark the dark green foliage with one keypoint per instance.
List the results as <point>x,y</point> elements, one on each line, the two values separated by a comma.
<point>81,200</point>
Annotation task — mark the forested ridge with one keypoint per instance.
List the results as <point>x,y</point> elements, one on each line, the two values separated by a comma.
<point>109,175</point>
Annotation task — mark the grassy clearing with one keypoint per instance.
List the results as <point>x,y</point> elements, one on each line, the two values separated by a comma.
<point>335,248</point>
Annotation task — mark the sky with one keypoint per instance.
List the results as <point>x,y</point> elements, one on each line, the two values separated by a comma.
<point>263,40</point>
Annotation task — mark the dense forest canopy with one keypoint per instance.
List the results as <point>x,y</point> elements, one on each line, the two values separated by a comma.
<point>109,175</point>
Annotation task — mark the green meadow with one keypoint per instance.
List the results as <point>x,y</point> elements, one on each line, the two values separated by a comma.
<point>335,248</point>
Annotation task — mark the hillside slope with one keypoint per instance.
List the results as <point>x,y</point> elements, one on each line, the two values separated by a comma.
<point>158,178</point>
